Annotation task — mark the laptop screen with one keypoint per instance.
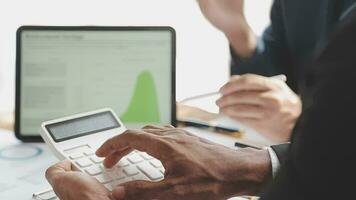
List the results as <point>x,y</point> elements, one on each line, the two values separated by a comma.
<point>64,72</point>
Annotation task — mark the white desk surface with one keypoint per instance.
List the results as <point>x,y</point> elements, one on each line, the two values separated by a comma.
<point>23,165</point>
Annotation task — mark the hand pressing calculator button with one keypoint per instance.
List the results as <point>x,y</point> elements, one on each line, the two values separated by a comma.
<point>77,137</point>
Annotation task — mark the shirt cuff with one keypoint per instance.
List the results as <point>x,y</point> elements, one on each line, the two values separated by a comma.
<point>274,161</point>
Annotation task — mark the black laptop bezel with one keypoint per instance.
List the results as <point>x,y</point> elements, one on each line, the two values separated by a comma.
<point>31,138</point>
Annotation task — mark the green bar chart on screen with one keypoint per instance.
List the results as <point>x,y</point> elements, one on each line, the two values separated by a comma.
<point>144,105</point>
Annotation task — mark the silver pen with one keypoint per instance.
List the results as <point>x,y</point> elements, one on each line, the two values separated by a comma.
<point>281,77</point>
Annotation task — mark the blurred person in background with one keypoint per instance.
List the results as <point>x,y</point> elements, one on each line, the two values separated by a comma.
<point>298,30</point>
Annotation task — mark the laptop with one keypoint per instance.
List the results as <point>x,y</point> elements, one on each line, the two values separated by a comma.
<point>62,71</point>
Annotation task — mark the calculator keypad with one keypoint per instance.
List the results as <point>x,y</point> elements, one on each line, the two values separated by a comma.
<point>135,166</point>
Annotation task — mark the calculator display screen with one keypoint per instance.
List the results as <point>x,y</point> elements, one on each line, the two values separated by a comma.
<point>81,126</point>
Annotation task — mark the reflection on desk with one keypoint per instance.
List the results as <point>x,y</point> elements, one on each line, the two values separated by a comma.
<point>22,167</point>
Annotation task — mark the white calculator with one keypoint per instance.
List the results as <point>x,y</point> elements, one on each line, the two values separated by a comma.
<point>77,137</point>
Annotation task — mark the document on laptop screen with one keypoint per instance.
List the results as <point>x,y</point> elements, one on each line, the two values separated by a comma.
<point>67,72</point>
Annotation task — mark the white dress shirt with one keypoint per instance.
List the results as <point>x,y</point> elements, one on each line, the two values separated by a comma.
<point>274,161</point>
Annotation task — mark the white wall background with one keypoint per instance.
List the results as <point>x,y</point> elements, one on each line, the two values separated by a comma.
<point>202,51</point>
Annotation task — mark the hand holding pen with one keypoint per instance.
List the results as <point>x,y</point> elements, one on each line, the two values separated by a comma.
<point>265,104</point>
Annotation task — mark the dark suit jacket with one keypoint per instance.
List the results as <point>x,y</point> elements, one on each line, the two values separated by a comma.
<point>320,163</point>
<point>298,30</point>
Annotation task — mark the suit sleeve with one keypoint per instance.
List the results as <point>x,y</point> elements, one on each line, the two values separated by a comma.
<point>281,151</point>
<point>272,54</point>
<point>320,163</point>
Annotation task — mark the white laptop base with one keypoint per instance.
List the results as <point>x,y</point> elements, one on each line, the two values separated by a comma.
<point>135,166</point>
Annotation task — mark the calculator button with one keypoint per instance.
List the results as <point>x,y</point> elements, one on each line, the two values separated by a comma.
<point>88,152</point>
<point>150,171</point>
<point>75,156</point>
<point>131,171</point>
<point>156,163</point>
<point>96,159</point>
<point>48,195</point>
<point>78,149</point>
<point>94,170</point>
<point>134,158</point>
<point>162,170</point>
<point>83,162</point>
<point>124,180</point>
<point>123,163</point>
<point>104,178</point>
<point>146,156</point>
<point>140,177</point>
